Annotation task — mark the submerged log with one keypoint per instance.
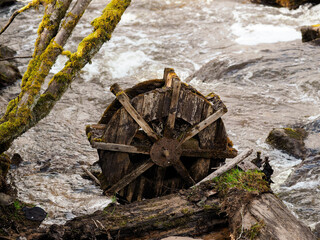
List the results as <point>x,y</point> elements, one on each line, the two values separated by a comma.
<point>194,212</point>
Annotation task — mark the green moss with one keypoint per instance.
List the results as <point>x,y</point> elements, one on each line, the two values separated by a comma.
<point>295,133</point>
<point>254,231</point>
<point>248,181</point>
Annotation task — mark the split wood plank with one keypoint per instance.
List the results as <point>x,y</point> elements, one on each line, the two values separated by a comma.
<point>168,76</point>
<point>173,107</point>
<point>125,180</point>
<point>120,147</point>
<point>183,172</point>
<point>125,101</point>
<point>228,165</point>
<point>209,153</point>
<point>202,125</point>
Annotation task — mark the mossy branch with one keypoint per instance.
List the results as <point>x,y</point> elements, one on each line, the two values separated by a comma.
<point>33,4</point>
<point>30,107</point>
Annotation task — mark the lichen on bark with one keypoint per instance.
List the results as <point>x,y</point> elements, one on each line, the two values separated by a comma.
<point>31,106</point>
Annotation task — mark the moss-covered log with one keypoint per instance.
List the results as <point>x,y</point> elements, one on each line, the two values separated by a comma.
<point>237,200</point>
<point>30,107</point>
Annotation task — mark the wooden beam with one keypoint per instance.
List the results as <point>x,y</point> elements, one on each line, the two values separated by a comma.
<point>168,75</point>
<point>125,101</point>
<point>229,165</point>
<point>125,180</point>
<point>209,153</point>
<point>120,147</point>
<point>202,125</point>
<point>173,107</point>
<point>183,172</point>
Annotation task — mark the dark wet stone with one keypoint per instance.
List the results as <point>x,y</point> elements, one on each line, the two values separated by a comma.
<point>9,73</point>
<point>7,2</point>
<point>309,168</point>
<point>35,213</point>
<point>291,4</point>
<point>5,199</point>
<point>310,33</point>
<point>288,140</point>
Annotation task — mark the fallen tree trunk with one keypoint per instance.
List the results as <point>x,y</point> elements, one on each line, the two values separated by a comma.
<point>193,212</point>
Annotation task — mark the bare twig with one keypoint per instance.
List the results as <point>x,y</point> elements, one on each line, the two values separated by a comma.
<point>11,58</point>
<point>17,12</point>
<point>91,175</point>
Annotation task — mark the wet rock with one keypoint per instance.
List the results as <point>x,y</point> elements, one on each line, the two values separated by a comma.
<point>291,4</point>
<point>9,73</point>
<point>7,2</point>
<point>316,231</point>
<point>34,213</point>
<point>5,199</point>
<point>288,140</point>
<point>310,33</point>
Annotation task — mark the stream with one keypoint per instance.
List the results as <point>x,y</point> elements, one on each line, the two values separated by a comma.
<point>250,55</point>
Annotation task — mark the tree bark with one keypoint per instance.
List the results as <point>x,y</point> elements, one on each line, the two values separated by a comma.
<point>193,212</point>
<point>30,107</point>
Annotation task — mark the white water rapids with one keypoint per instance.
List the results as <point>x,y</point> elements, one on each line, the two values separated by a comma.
<point>262,71</point>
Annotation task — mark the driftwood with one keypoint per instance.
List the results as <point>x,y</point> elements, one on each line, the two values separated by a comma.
<point>193,212</point>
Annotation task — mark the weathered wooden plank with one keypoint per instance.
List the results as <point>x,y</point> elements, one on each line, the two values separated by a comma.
<point>125,180</point>
<point>141,188</point>
<point>168,76</point>
<point>120,147</point>
<point>229,165</point>
<point>209,153</point>
<point>131,190</point>
<point>200,169</point>
<point>160,174</point>
<point>125,101</point>
<point>173,107</point>
<point>183,172</point>
<point>200,126</point>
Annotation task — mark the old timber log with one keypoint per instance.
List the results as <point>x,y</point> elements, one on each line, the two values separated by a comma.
<point>238,201</point>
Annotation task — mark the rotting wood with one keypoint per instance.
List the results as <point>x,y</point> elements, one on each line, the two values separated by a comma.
<point>120,147</point>
<point>200,126</point>
<point>193,212</point>
<point>125,180</point>
<point>123,146</point>
<point>125,101</point>
<point>168,76</point>
<point>229,165</point>
<point>173,107</point>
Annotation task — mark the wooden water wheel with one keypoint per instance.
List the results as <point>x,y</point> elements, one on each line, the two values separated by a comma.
<point>158,137</point>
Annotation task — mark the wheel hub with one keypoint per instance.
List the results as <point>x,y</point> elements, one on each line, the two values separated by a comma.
<point>165,151</point>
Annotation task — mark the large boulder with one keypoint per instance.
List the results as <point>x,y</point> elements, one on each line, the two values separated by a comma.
<point>288,140</point>
<point>9,73</point>
<point>291,4</point>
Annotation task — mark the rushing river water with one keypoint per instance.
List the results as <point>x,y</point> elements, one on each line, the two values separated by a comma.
<point>250,55</point>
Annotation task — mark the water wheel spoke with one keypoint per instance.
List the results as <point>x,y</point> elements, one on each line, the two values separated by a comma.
<point>183,172</point>
<point>173,107</point>
<point>120,147</point>
<point>202,125</point>
<point>209,153</point>
<point>168,76</point>
<point>127,179</point>
<point>125,101</point>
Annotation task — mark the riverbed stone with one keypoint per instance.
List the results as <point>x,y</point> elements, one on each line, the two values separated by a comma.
<point>289,140</point>
<point>6,2</point>
<point>291,4</point>
<point>9,72</point>
<point>310,33</point>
